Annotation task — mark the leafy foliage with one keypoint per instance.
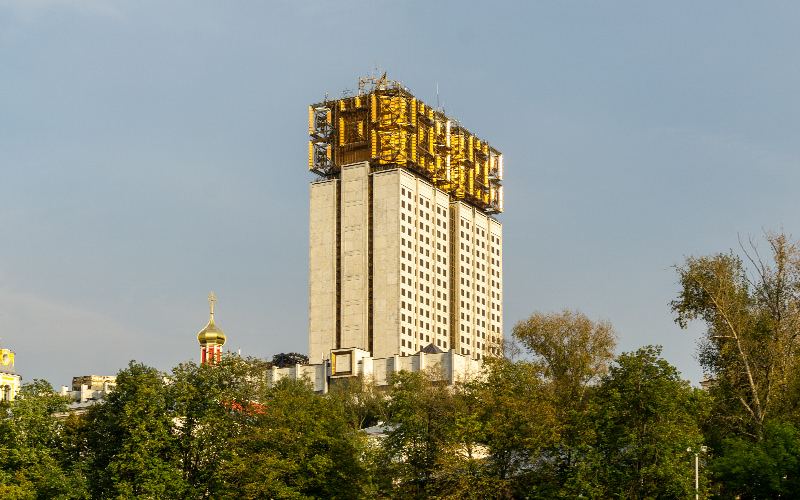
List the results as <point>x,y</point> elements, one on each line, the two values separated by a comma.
<point>644,418</point>
<point>31,460</point>
<point>287,359</point>
<point>131,439</point>
<point>422,414</point>
<point>752,330</point>
<point>749,469</point>
<point>298,446</point>
<point>574,350</point>
<point>570,421</point>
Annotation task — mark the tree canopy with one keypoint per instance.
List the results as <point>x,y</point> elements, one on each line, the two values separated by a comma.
<point>752,319</point>
<point>569,418</point>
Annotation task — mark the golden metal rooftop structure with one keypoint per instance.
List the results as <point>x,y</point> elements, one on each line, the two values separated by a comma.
<point>388,127</point>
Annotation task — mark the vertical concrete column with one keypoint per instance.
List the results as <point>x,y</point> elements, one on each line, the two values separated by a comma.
<point>386,262</point>
<point>354,247</point>
<point>322,270</point>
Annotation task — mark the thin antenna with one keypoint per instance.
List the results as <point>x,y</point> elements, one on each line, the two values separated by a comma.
<point>437,97</point>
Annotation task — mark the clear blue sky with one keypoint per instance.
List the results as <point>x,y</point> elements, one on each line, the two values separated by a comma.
<point>152,152</point>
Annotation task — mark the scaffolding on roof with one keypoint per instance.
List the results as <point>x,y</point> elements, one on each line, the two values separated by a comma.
<point>385,125</point>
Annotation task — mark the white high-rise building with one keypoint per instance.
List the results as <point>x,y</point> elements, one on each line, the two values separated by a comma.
<point>396,262</point>
<point>432,273</point>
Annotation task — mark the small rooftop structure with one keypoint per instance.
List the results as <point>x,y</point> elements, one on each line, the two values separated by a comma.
<point>87,391</point>
<point>93,382</point>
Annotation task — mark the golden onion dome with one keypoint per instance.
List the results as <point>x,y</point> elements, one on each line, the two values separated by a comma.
<point>211,334</point>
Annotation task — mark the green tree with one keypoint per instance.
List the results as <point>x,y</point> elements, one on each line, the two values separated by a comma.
<point>574,350</point>
<point>422,415</point>
<point>750,469</point>
<point>573,353</point>
<point>297,445</point>
<point>286,359</point>
<point>517,419</point>
<point>752,325</point>
<point>361,400</point>
<point>206,402</point>
<point>643,417</point>
<point>131,439</point>
<point>518,415</point>
<point>31,465</point>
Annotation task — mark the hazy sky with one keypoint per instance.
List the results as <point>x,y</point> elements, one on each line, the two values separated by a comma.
<point>152,152</point>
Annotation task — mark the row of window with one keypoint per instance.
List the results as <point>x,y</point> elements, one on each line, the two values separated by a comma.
<point>478,344</point>
<point>415,347</point>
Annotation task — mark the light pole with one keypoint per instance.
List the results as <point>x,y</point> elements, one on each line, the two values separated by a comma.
<point>703,449</point>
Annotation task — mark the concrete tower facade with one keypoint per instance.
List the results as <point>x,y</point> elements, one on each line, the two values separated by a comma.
<point>404,250</point>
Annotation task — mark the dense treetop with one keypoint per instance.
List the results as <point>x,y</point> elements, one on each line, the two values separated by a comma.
<point>565,418</point>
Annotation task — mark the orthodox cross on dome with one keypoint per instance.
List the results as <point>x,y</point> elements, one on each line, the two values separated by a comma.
<point>212,300</point>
